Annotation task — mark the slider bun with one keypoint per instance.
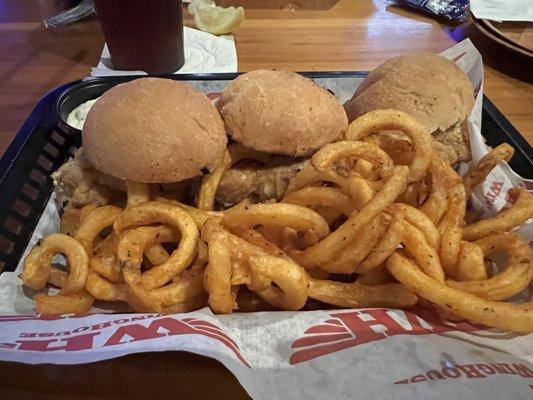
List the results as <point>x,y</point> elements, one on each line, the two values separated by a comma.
<point>154,130</point>
<point>427,86</point>
<point>281,112</point>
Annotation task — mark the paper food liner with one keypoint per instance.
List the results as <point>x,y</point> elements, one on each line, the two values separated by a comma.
<point>364,353</point>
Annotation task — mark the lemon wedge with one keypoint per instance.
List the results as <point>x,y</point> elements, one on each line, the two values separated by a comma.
<point>195,5</point>
<point>218,20</point>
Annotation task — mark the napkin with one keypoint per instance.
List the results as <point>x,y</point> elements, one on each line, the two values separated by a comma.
<point>502,10</point>
<point>203,53</point>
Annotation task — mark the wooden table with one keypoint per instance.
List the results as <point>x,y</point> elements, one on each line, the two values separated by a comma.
<point>323,35</point>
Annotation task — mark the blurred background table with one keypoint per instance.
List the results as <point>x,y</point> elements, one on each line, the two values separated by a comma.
<point>322,35</point>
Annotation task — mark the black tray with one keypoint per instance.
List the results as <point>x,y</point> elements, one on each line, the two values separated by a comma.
<point>44,143</point>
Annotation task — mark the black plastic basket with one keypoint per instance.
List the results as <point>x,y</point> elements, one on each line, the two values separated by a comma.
<point>44,143</point>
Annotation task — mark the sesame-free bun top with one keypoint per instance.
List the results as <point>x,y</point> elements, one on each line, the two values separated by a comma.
<point>154,130</point>
<point>427,86</point>
<point>281,112</point>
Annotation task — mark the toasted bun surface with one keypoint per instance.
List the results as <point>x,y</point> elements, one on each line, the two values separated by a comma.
<point>427,86</point>
<point>281,112</point>
<point>154,130</point>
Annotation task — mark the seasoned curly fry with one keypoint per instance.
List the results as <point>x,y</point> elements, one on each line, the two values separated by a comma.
<point>217,277</point>
<point>366,170</point>
<point>496,314</point>
<point>208,189</point>
<point>72,298</point>
<point>94,223</point>
<point>137,192</point>
<point>449,228</point>
<point>455,213</point>
<point>38,264</point>
<point>86,210</point>
<point>152,212</point>
<point>506,219</point>
<point>130,254</point>
<point>435,206</point>
<point>321,196</point>
<point>143,295</point>
<point>103,289</point>
<point>354,253</point>
<point>291,279</point>
<point>356,295</point>
<point>516,276</point>
<point>450,247</point>
<point>76,303</point>
<point>418,219</point>
<point>325,159</point>
<point>326,162</point>
<point>241,250</point>
<point>186,285</point>
<point>199,216</point>
<point>500,287</point>
<point>297,217</point>
<point>104,260</point>
<point>384,248</point>
<point>70,221</point>
<point>380,120</point>
<point>157,254</point>
<point>194,303</point>
<point>258,240</point>
<point>471,266</point>
<point>479,172</point>
<point>306,176</point>
<point>328,247</point>
<point>426,256</point>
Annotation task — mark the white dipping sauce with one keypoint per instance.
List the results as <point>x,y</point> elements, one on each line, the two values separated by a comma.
<point>76,118</point>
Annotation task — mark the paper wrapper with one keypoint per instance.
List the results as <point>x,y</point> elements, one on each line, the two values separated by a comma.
<point>366,353</point>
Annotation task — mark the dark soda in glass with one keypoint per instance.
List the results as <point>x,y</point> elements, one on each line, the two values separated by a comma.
<point>143,35</point>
